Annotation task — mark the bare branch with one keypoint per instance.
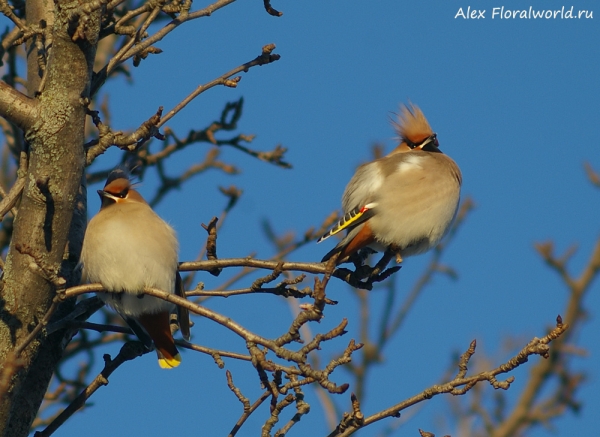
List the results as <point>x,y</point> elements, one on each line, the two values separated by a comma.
<point>266,57</point>
<point>9,200</point>
<point>130,50</point>
<point>17,107</point>
<point>7,11</point>
<point>273,345</point>
<point>529,409</point>
<point>271,10</point>
<point>169,183</point>
<point>270,423</point>
<point>247,414</point>
<point>211,243</point>
<point>233,194</point>
<point>106,139</point>
<point>129,351</point>
<point>302,408</point>
<point>216,354</point>
<point>461,384</point>
<point>317,268</point>
<point>237,392</point>
<point>282,289</point>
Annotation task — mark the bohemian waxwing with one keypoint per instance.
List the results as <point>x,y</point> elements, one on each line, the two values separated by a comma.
<point>127,247</point>
<point>404,201</point>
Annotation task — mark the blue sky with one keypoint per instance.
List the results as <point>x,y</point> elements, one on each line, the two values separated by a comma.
<point>515,102</point>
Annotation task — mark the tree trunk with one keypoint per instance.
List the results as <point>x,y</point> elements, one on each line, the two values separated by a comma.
<point>52,213</point>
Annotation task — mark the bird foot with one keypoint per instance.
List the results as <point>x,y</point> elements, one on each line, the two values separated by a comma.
<point>395,250</point>
<point>364,276</point>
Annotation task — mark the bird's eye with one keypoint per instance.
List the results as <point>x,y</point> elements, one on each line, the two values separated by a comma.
<point>121,194</point>
<point>410,144</point>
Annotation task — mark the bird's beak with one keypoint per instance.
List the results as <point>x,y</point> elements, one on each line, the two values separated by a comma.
<point>107,198</point>
<point>429,140</point>
<point>430,144</point>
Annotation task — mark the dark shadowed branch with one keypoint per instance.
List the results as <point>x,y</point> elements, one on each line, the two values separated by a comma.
<point>129,351</point>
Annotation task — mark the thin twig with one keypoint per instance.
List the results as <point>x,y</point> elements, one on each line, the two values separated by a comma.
<point>247,414</point>
<point>266,57</point>
<point>461,385</point>
<point>129,351</point>
<point>10,199</point>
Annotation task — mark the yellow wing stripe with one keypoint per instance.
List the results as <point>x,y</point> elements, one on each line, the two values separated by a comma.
<point>349,219</point>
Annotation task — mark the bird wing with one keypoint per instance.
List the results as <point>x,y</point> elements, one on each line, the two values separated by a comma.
<point>359,204</point>
<point>364,186</point>
<point>358,199</point>
<point>358,215</point>
<point>183,314</point>
<point>139,331</point>
<point>352,233</point>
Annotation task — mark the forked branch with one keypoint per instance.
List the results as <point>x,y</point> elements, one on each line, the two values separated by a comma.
<point>461,384</point>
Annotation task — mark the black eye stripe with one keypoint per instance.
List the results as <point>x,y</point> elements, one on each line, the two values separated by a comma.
<point>121,194</point>
<point>432,138</point>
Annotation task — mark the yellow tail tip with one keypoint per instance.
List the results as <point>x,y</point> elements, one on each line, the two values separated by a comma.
<point>169,363</point>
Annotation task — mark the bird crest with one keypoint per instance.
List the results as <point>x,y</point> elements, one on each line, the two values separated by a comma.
<point>119,189</point>
<point>118,173</point>
<point>412,126</point>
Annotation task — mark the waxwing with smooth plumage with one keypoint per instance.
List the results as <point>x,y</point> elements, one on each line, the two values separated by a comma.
<point>405,201</point>
<point>126,248</point>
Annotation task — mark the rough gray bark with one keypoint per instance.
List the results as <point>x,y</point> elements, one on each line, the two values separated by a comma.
<point>46,223</point>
